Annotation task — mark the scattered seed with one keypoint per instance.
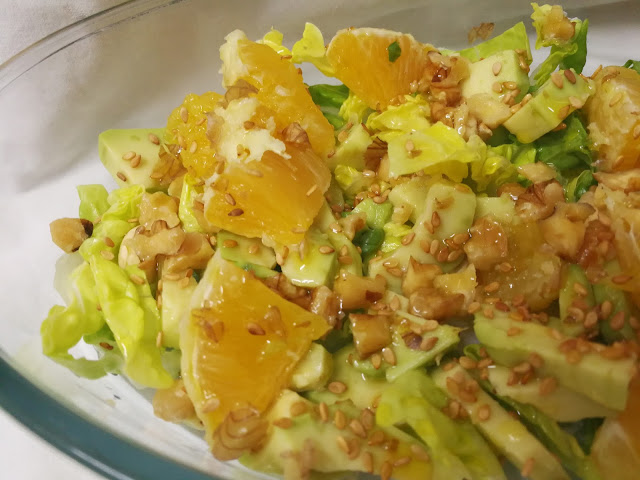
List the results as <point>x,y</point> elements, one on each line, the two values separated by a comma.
<point>536,360</point>
<point>107,254</point>
<point>323,410</point>
<point>620,279</point>
<point>254,173</point>
<point>563,112</point>
<point>523,367</point>
<point>337,387</point>
<point>428,343</point>
<point>408,238</point>
<point>311,190</point>
<point>326,249</point>
<point>402,461</point>
<point>121,176</point>
<point>492,287</point>
<point>367,462</point>
<point>135,163</point>
<point>570,76</point>
<point>557,80</point>
<point>473,307</point>
<point>386,470</point>
<point>484,412</point>
<point>575,102</point>
<point>357,428</point>
<point>467,363</point>
<point>339,420</point>
<point>617,321</point>
<point>547,386</point>
<point>229,243</point>
<point>255,329</point>
<point>198,205</point>
<point>236,212</point>
<point>184,114</point>
<point>343,444</point>
<point>129,155</point>
<point>387,353</point>
<point>376,360</point>
<point>211,405</point>
<point>580,289</point>
<point>283,423</point>
<point>298,408</point>
<point>527,467</point>
<point>590,319</point>
<point>497,87</point>
<point>153,138</point>
<point>496,68</point>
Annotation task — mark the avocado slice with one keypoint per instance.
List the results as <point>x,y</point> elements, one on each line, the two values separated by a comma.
<point>407,358</point>
<point>113,145</point>
<point>601,379</point>
<point>507,434</point>
<point>458,450</point>
<point>411,194</point>
<point>316,266</point>
<point>576,288</point>
<point>454,206</point>
<point>325,452</point>
<point>562,404</point>
<point>324,218</point>
<point>313,371</point>
<point>176,298</point>
<point>483,76</point>
<point>247,253</point>
<point>558,97</point>
<point>377,213</point>
<point>621,306</point>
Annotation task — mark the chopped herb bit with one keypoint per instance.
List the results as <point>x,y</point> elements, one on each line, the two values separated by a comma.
<point>394,51</point>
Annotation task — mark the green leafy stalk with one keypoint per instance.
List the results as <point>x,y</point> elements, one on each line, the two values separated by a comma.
<point>330,98</point>
<point>633,65</point>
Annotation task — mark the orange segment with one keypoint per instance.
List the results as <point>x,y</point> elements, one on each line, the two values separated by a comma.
<point>276,197</point>
<point>240,343</point>
<point>616,448</point>
<point>188,124</point>
<point>360,57</point>
<point>282,90</point>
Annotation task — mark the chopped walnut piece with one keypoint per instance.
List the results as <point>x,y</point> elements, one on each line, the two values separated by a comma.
<point>627,181</point>
<point>353,223</point>
<point>173,404</point>
<point>488,245</point>
<point>294,133</point>
<point>371,333</point>
<point>69,233</point>
<point>359,292</point>
<point>167,241</point>
<point>539,200</point>
<point>194,252</point>
<point>326,304</point>
<point>565,229</point>
<point>158,206</point>
<point>241,431</point>
<point>419,276</point>
<point>432,304</point>
<point>240,89</point>
<point>169,166</point>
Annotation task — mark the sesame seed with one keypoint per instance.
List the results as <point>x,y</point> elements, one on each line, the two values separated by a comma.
<point>488,312</point>
<point>323,410</point>
<point>343,444</point>
<point>181,141</point>
<point>402,461</point>
<point>573,357</point>
<point>467,363</point>
<point>229,243</point>
<point>193,147</point>
<point>492,287</point>
<point>536,360</point>
<point>253,248</point>
<point>570,76</point>
<point>580,289</point>
<point>283,423</point>
<point>337,387</point>
<point>497,87</point>
<point>159,338</point>
<point>408,238</point>
<point>387,353</point>
<point>184,114</point>
<point>220,167</point>
<point>236,212</point>
<point>590,319</point>
<point>606,308</point>
<point>473,307</point>
<point>620,279</point>
<point>523,367</point>
<point>386,470</point>
<point>129,155</point>
<point>298,408</point>
<point>419,453</point>
<point>248,125</point>
<point>484,412</point>
<point>435,220</point>
<point>340,420</point>
<point>357,428</point>
<point>367,418</point>
<point>326,249</point>
<point>564,111</point>
<point>575,102</point>
<point>556,78</point>
<point>211,405</point>
<point>198,205</point>
<point>455,255</point>
<point>136,161</point>
<point>108,242</point>
<point>107,255</point>
<point>617,321</point>
<point>153,138</point>
<point>409,146</point>
<point>496,68</point>
<point>121,176</point>
<point>547,386</point>
<point>311,190</point>
<point>255,329</point>
<point>229,199</point>
<point>376,360</point>
<point>527,467</point>
<point>510,85</point>
<point>137,279</point>
<point>367,462</point>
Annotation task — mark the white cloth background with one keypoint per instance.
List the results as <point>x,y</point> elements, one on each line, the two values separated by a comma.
<point>23,455</point>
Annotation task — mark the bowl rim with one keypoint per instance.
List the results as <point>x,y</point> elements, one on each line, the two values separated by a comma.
<point>69,432</point>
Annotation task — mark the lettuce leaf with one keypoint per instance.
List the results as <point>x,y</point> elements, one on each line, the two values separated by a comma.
<point>566,149</point>
<point>633,65</point>
<point>330,99</point>
<point>515,38</point>
<point>393,235</point>
<point>310,48</point>
<point>185,209</point>
<point>579,185</point>
<point>274,40</point>
<point>408,117</point>
<point>565,54</point>
<point>437,149</point>
<point>352,150</point>
<point>351,180</point>
<point>93,201</point>
<point>132,315</point>
<point>354,109</point>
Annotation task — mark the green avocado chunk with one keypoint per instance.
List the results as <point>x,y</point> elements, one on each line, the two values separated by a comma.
<point>176,299</point>
<point>620,307</point>
<point>317,265</point>
<point>247,253</point>
<point>602,379</point>
<point>114,144</point>
<point>377,213</point>
<point>313,371</point>
<point>483,76</point>
<point>559,96</point>
<point>576,292</point>
<point>509,436</point>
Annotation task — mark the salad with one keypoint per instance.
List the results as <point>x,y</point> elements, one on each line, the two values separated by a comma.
<point>425,268</point>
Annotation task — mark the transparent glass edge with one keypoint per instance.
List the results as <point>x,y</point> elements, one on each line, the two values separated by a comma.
<point>22,62</point>
<point>101,451</point>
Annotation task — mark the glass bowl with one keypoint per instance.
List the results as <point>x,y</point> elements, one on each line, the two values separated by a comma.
<point>129,67</point>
